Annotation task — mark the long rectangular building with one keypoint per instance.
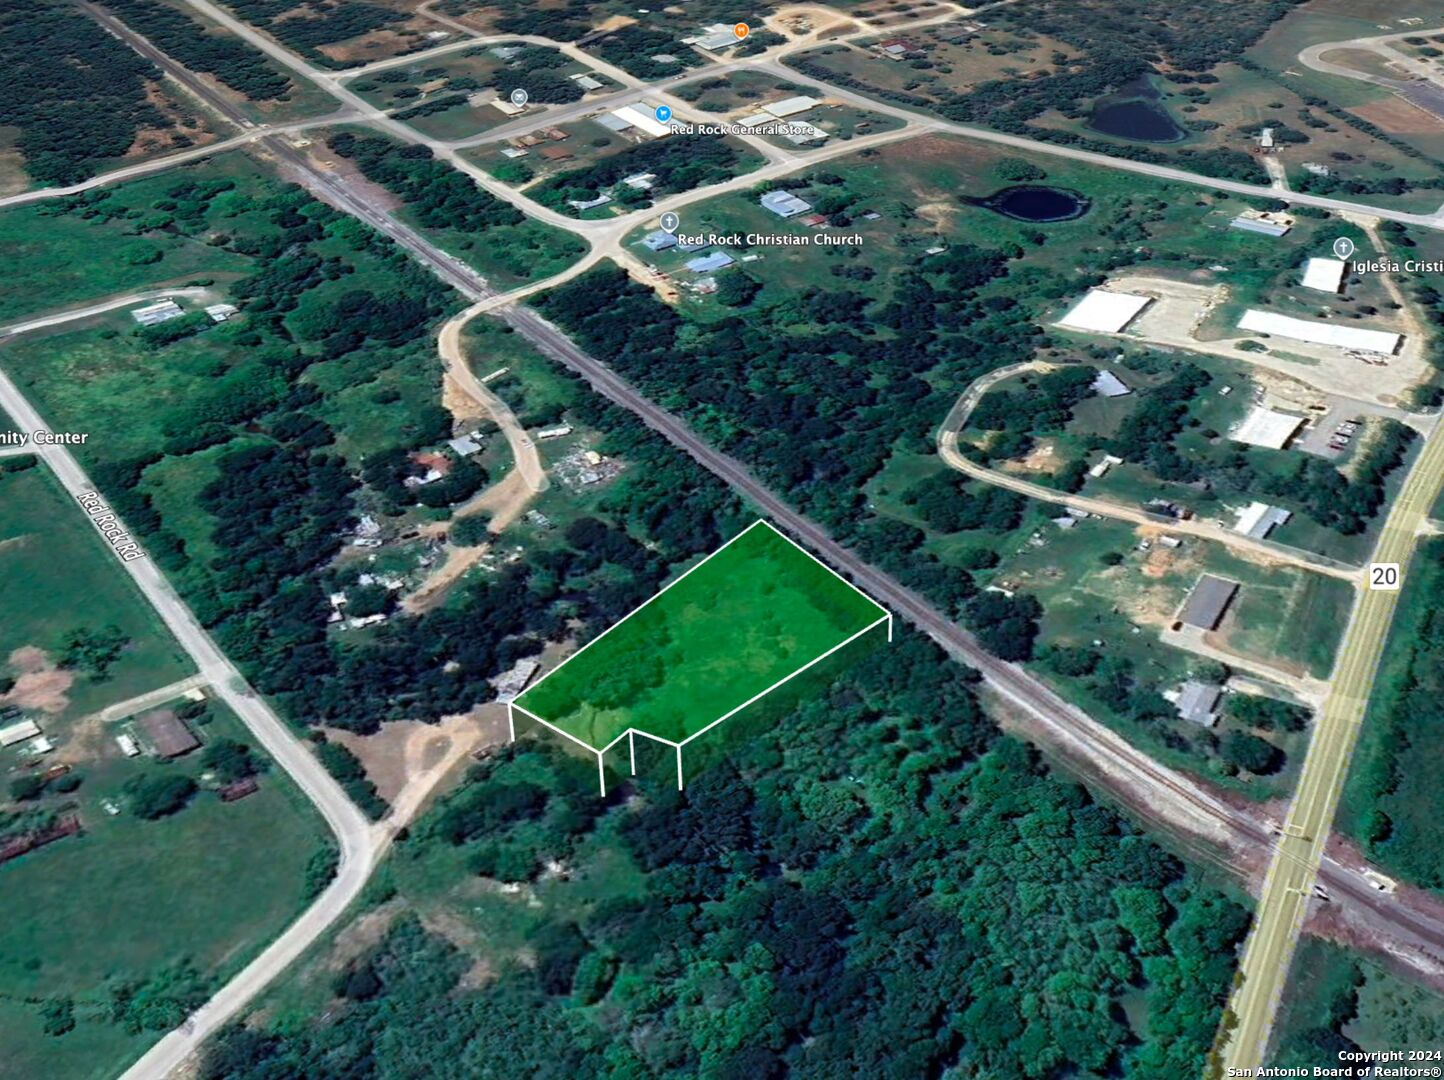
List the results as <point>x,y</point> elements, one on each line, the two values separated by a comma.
<point>1385,342</point>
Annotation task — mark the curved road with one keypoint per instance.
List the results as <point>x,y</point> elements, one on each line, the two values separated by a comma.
<point>453,356</point>
<point>359,841</point>
<point>957,418</point>
<point>1184,806</point>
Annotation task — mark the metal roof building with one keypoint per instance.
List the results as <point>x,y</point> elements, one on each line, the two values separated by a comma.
<point>635,117</point>
<point>168,734</point>
<point>1321,333</point>
<point>1104,311</point>
<point>1264,427</point>
<point>791,106</point>
<point>1325,275</point>
<point>1263,228</point>
<point>659,240</point>
<point>705,264</point>
<point>1259,519</point>
<point>784,204</point>
<point>1206,605</point>
<point>1110,385</point>
<point>1198,701</point>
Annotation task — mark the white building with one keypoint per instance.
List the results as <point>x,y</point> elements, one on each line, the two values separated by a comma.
<point>158,312</point>
<point>635,117</point>
<point>791,106</point>
<point>1104,312</point>
<point>19,732</point>
<point>1325,275</point>
<point>1321,333</point>
<point>1264,427</point>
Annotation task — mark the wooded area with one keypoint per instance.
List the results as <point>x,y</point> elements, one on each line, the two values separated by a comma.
<point>910,894</point>
<point>77,94</point>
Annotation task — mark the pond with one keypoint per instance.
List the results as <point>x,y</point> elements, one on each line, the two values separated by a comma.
<point>1134,113</point>
<point>1031,203</point>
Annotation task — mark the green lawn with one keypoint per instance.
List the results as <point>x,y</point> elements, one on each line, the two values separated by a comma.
<point>751,615</point>
<point>211,884</point>
<point>55,261</point>
<point>57,576</point>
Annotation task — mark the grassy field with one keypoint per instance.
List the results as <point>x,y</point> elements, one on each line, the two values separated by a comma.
<point>1101,591</point>
<point>1334,993</point>
<point>64,260</point>
<point>454,77</point>
<point>129,899</point>
<point>749,616</point>
<point>41,532</point>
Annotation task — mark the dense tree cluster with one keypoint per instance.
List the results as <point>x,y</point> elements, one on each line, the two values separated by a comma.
<point>322,22</point>
<point>1041,405</point>
<point>445,198</point>
<point>77,94</point>
<point>632,49</point>
<point>679,163</point>
<point>229,59</point>
<point>810,920</point>
<point>1395,798</point>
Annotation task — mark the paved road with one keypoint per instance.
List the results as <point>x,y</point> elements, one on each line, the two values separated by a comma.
<point>354,834</point>
<point>73,314</point>
<point>123,710</point>
<point>1160,172</point>
<point>170,161</point>
<point>1294,869</point>
<point>957,418</point>
<point>1166,795</point>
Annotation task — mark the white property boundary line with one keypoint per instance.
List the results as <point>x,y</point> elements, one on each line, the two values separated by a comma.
<point>631,732</point>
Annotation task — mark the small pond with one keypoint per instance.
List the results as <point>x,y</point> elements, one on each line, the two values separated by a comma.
<point>1032,203</point>
<point>1134,113</point>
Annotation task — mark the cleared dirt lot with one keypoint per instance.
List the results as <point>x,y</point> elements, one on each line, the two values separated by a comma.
<point>1180,307</point>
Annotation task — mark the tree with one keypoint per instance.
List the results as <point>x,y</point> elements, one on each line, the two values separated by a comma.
<point>27,788</point>
<point>1245,750</point>
<point>736,287</point>
<point>94,651</point>
<point>157,795</point>
<point>229,759</point>
<point>472,530</point>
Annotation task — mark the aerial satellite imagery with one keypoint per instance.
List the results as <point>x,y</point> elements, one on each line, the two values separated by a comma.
<point>734,539</point>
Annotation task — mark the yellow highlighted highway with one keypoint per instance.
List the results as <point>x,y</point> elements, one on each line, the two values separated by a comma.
<point>1294,869</point>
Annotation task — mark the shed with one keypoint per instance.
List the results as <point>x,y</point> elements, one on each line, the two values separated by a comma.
<point>168,734</point>
<point>1208,601</point>
<point>1110,385</point>
<point>556,153</point>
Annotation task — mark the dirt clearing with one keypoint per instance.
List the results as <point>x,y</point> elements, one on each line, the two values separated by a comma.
<point>39,685</point>
<point>1398,117</point>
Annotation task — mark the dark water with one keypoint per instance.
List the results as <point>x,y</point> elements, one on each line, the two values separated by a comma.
<point>1134,112</point>
<point>1031,203</point>
<point>1137,119</point>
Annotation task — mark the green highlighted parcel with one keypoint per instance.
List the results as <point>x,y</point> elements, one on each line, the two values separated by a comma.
<point>737,625</point>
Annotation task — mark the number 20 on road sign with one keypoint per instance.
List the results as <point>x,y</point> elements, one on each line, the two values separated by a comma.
<point>1384,575</point>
